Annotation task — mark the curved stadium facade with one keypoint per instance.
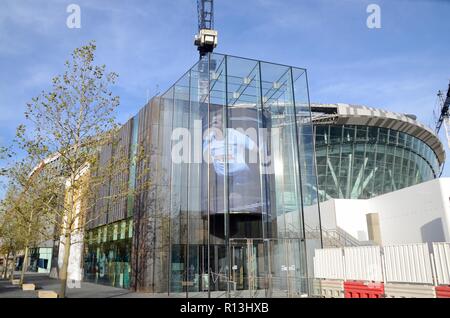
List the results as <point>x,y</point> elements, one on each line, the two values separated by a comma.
<point>363,152</point>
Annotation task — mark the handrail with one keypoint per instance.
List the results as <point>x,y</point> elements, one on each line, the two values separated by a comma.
<point>338,236</point>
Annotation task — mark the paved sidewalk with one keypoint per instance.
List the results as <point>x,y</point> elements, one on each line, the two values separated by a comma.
<point>43,282</point>
<point>91,290</point>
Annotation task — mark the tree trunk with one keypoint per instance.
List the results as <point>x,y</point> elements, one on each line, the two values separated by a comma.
<point>24,265</point>
<point>25,257</point>
<point>5,272</point>
<point>67,230</point>
<point>13,267</point>
<point>65,265</point>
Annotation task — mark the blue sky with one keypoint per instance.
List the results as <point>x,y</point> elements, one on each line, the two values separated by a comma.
<point>149,43</point>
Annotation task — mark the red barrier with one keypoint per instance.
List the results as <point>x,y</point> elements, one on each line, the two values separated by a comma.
<point>363,290</point>
<point>442,291</point>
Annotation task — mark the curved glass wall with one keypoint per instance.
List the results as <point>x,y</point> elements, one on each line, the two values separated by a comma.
<point>360,162</point>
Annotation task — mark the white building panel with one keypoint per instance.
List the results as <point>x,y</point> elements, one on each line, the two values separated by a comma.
<point>441,254</point>
<point>329,263</point>
<point>351,217</point>
<point>409,263</point>
<point>75,269</point>
<point>416,214</point>
<point>363,263</point>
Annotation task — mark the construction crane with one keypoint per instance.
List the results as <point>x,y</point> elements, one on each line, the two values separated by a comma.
<point>206,39</point>
<point>444,116</point>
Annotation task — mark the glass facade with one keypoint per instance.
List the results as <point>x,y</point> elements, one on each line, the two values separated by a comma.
<point>232,206</point>
<point>107,254</point>
<point>39,260</point>
<point>360,162</point>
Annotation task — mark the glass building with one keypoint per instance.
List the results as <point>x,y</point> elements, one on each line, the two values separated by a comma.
<point>39,259</point>
<point>232,206</point>
<point>363,152</point>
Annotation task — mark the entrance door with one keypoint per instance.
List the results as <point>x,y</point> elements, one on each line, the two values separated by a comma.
<point>288,268</point>
<point>269,268</point>
<point>246,264</point>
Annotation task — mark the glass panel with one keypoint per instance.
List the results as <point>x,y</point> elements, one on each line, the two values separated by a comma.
<point>349,133</point>
<point>108,262</point>
<point>361,133</point>
<point>336,134</point>
<point>373,134</point>
<point>309,187</point>
<point>180,198</point>
<point>393,136</point>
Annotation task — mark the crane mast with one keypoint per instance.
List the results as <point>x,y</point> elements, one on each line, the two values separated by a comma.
<point>206,39</point>
<point>444,116</point>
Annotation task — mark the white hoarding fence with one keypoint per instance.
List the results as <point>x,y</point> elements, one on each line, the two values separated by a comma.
<point>363,263</point>
<point>329,263</point>
<point>408,263</point>
<point>441,253</point>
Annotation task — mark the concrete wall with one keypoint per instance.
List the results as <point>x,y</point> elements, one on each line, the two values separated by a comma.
<point>373,226</point>
<point>351,216</point>
<point>417,214</point>
<point>328,214</point>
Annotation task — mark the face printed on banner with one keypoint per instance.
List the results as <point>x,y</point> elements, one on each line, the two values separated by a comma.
<point>231,151</point>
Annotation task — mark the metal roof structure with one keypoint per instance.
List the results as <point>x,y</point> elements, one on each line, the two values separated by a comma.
<point>346,114</point>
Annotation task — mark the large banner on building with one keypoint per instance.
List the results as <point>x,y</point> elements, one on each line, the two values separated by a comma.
<point>231,149</point>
